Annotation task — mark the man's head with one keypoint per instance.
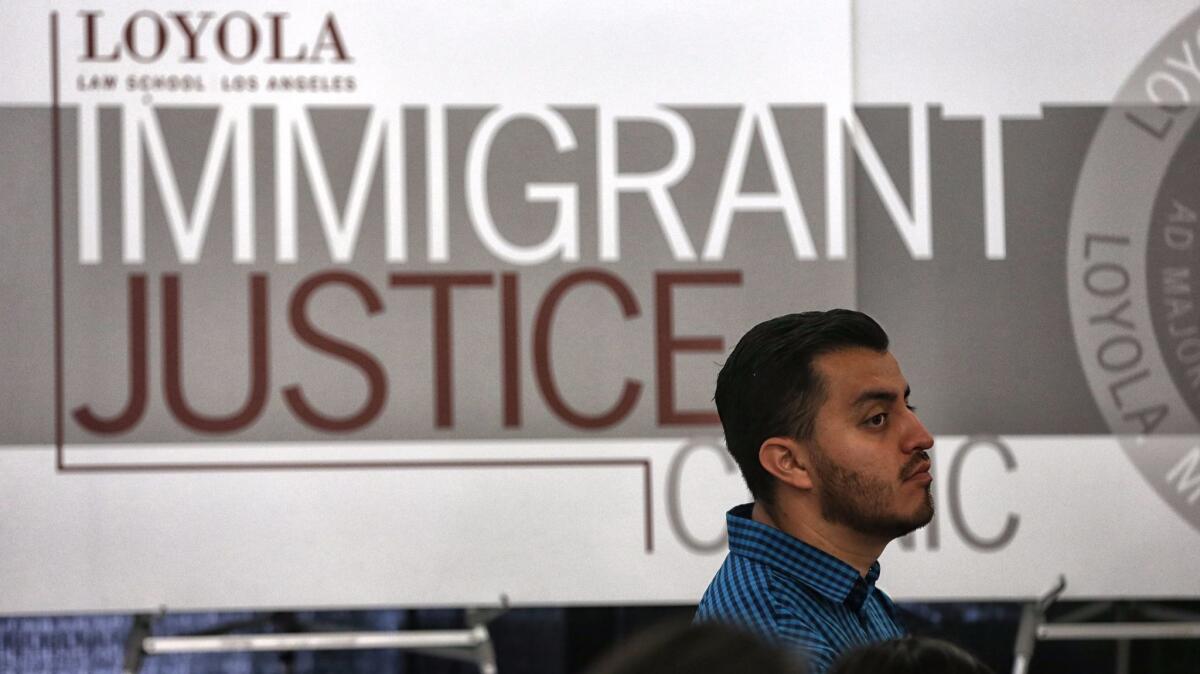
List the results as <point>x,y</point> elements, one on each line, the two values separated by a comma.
<point>813,403</point>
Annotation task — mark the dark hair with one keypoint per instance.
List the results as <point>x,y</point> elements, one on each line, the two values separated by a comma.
<point>702,648</point>
<point>910,655</point>
<point>768,387</point>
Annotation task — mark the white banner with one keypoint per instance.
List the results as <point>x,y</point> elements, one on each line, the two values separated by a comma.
<point>1013,514</point>
<point>423,305</point>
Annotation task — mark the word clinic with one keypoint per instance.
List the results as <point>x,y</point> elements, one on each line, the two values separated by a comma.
<point>381,150</point>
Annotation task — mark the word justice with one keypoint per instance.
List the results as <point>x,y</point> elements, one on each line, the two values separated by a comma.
<point>443,288</point>
<point>382,159</point>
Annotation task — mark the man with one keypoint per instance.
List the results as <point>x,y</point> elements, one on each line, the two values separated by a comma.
<point>816,415</point>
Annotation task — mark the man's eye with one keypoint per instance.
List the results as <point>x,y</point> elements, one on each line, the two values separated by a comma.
<point>877,420</point>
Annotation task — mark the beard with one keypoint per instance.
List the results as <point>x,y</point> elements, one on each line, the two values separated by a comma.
<point>863,503</point>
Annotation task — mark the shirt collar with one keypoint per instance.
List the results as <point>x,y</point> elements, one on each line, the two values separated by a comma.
<point>832,578</point>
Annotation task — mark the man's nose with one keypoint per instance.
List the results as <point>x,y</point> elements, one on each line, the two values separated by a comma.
<point>919,438</point>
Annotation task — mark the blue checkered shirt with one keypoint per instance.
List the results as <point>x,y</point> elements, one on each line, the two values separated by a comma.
<point>790,592</point>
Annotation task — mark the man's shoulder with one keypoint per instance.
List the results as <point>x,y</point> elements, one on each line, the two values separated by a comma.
<point>740,587</point>
<point>745,588</point>
<point>762,600</point>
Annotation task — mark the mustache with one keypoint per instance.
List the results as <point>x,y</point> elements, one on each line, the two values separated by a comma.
<point>914,464</point>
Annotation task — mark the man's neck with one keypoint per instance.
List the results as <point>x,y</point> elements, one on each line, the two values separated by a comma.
<point>850,546</point>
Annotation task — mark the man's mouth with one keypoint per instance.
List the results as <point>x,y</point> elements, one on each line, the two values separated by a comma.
<point>919,466</point>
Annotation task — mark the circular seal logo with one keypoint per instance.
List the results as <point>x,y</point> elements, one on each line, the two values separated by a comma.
<point>1133,268</point>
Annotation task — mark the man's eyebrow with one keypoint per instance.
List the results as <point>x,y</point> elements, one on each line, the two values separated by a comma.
<point>879,395</point>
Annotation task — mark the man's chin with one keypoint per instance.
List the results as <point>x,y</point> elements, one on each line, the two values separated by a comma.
<point>918,521</point>
<point>924,514</point>
<point>924,518</point>
<point>899,527</point>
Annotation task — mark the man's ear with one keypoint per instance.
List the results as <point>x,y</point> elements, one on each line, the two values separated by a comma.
<point>787,460</point>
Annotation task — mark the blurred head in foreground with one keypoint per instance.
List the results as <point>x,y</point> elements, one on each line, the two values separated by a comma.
<point>704,648</point>
<point>910,655</point>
